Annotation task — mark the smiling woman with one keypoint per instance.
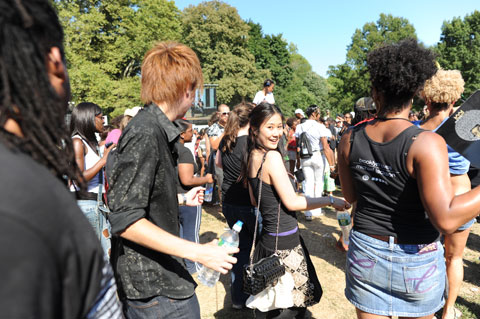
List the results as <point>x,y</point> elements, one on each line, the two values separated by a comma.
<point>271,188</point>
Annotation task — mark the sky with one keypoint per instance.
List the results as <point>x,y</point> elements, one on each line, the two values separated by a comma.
<point>322,30</point>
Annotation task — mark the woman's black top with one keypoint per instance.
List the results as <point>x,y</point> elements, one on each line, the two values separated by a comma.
<point>269,207</point>
<point>388,200</point>
<point>234,192</point>
<point>185,156</point>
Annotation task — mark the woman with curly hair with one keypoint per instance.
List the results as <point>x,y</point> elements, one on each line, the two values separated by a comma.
<point>440,94</point>
<point>398,175</point>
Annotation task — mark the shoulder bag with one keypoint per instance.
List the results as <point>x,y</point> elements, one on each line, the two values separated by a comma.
<point>265,272</point>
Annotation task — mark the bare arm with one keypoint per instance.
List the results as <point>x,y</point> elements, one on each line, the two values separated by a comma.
<point>278,177</point>
<point>215,141</point>
<point>80,152</point>
<point>218,159</point>
<point>344,173</point>
<point>185,173</point>
<point>144,233</point>
<point>429,160</point>
<point>328,152</point>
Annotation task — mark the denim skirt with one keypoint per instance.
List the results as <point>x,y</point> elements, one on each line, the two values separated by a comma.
<point>467,225</point>
<point>389,279</point>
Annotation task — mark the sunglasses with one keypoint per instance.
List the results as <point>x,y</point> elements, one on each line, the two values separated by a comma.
<point>224,113</point>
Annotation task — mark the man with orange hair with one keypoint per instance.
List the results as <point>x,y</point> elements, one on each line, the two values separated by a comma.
<point>142,196</point>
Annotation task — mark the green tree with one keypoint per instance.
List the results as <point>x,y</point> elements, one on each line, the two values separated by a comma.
<point>105,41</point>
<point>459,49</point>
<point>350,81</point>
<point>218,35</point>
<point>304,88</point>
<point>271,53</point>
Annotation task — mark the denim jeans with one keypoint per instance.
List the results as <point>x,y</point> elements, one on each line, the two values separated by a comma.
<point>163,307</point>
<point>99,223</point>
<point>246,214</point>
<point>190,219</point>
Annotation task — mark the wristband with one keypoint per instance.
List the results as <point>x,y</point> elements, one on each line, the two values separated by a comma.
<point>331,200</point>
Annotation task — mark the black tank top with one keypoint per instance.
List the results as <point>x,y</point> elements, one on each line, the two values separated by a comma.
<point>388,201</point>
<point>269,207</point>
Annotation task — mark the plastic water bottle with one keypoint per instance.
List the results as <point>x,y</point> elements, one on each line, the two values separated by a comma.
<point>209,277</point>
<point>208,192</point>
<point>345,222</point>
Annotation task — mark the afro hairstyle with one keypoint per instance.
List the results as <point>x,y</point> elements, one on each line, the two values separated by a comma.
<point>443,89</point>
<point>398,71</point>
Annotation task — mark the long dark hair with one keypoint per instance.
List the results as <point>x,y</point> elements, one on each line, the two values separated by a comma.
<point>237,119</point>
<point>29,29</point>
<point>83,122</point>
<point>261,113</point>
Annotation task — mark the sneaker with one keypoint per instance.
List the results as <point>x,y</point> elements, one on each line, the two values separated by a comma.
<point>308,218</point>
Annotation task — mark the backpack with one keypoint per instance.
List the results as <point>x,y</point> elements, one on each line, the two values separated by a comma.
<point>305,149</point>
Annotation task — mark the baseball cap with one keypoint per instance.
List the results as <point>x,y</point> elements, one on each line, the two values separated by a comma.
<point>299,111</point>
<point>365,104</point>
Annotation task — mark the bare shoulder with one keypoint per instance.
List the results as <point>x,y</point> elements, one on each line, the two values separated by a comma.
<point>274,157</point>
<point>428,142</point>
<point>78,145</point>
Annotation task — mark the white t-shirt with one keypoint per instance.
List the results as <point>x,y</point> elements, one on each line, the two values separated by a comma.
<point>260,97</point>
<point>314,131</point>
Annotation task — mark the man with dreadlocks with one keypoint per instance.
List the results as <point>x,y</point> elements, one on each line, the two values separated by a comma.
<point>52,265</point>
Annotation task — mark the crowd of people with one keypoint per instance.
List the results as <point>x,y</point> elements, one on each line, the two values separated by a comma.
<point>103,221</point>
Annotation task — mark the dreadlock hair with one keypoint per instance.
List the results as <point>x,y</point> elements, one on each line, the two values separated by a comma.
<point>238,119</point>
<point>83,122</point>
<point>261,113</point>
<point>28,31</point>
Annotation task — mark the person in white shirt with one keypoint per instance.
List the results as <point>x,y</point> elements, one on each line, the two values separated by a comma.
<point>265,95</point>
<point>314,167</point>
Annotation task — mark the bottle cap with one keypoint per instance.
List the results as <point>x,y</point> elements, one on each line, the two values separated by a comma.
<point>238,226</point>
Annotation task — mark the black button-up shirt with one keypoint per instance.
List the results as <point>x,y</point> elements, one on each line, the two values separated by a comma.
<point>142,179</point>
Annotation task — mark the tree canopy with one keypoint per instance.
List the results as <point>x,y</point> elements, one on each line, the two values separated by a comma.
<point>218,35</point>
<point>459,49</point>
<point>350,81</point>
<point>105,42</point>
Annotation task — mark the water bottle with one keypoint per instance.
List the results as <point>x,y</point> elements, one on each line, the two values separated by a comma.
<point>345,222</point>
<point>209,277</point>
<point>208,192</point>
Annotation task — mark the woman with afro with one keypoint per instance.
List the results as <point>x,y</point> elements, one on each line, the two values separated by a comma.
<point>398,175</point>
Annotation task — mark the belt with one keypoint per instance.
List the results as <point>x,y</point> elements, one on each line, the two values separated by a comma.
<point>86,196</point>
<point>384,238</point>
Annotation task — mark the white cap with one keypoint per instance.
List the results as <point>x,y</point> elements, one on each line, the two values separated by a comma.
<point>133,111</point>
<point>238,226</point>
<point>299,111</point>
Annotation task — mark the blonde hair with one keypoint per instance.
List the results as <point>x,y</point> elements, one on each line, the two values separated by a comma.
<point>446,86</point>
<point>169,69</point>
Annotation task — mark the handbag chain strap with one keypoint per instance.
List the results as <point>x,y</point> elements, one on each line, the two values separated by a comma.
<point>258,212</point>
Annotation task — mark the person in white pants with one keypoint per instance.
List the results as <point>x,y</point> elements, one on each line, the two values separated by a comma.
<point>313,167</point>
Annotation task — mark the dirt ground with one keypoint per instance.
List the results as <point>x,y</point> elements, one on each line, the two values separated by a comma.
<point>320,236</point>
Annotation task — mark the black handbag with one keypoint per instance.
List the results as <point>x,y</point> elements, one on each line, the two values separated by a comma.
<point>300,176</point>
<point>265,272</point>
